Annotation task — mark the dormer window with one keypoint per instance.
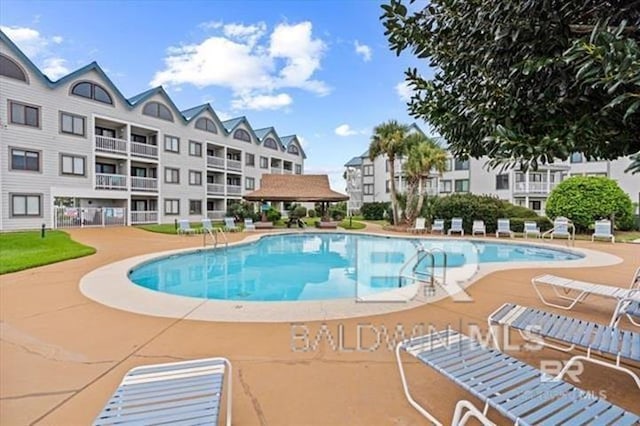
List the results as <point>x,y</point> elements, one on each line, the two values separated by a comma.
<point>242,135</point>
<point>206,124</point>
<point>92,91</point>
<point>11,69</point>
<point>293,150</point>
<point>158,110</point>
<point>270,143</point>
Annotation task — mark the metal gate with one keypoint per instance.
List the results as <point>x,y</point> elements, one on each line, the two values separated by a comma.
<point>80,217</point>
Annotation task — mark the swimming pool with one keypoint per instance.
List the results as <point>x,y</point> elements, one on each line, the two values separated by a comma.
<point>317,266</point>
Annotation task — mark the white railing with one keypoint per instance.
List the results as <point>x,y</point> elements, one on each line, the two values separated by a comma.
<point>108,181</point>
<point>113,145</point>
<point>144,150</point>
<point>287,171</point>
<point>144,217</point>
<point>234,164</point>
<point>234,189</point>
<point>215,188</point>
<point>215,161</point>
<point>144,183</point>
<point>71,217</point>
<point>216,214</point>
<point>535,187</point>
<point>276,170</point>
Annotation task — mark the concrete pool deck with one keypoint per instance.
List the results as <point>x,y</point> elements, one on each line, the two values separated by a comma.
<point>62,354</point>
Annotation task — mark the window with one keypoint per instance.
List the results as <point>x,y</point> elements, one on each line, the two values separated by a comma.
<point>195,149</point>
<point>195,206</point>
<point>461,164</point>
<point>249,183</point>
<point>195,177</point>
<point>140,172</point>
<point>242,135</point>
<point>368,170</point>
<point>21,159</point>
<point>158,110</point>
<point>26,205</point>
<point>72,124</point>
<point>102,131</point>
<point>109,169</point>
<point>171,206</point>
<point>93,91</point>
<point>171,144</point>
<point>387,186</point>
<point>292,149</point>
<point>271,143</point>
<point>264,163</point>
<point>138,138</point>
<point>206,124</point>
<point>27,115</point>
<point>447,165</point>
<point>462,185</point>
<point>445,186</point>
<point>249,159</point>
<point>502,181</point>
<point>72,165</point>
<point>171,175</point>
<point>367,189</point>
<point>576,157</point>
<point>11,69</point>
<point>535,205</point>
<point>298,169</point>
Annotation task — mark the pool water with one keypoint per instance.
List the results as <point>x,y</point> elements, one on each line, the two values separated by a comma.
<point>320,266</point>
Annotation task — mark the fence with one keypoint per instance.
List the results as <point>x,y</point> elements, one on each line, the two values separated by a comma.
<point>80,217</point>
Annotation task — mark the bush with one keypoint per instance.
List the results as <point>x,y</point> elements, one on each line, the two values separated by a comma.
<point>273,215</point>
<point>375,211</point>
<point>242,211</point>
<point>311,213</point>
<point>336,214</point>
<point>300,211</point>
<point>469,207</point>
<point>512,210</point>
<point>585,199</point>
<point>517,223</point>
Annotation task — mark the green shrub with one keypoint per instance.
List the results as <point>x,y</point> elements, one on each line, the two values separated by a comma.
<point>585,199</point>
<point>517,223</point>
<point>242,211</point>
<point>273,215</point>
<point>311,213</point>
<point>512,210</point>
<point>375,210</point>
<point>469,207</point>
<point>337,214</point>
<point>300,211</point>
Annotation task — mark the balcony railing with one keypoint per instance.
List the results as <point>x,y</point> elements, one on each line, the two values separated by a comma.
<point>276,170</point>
<point>287,171</point>
<point>108,181</point>
<point>112,145</point>
<point>534,187</point>
<point>213,161</point>
<point>144,150</point>
<point>234,189</point>
<point>144,217</point>
<point>234,164</point>
<point>144,183</point>
<point>216,214</point>
<point>215,188</point>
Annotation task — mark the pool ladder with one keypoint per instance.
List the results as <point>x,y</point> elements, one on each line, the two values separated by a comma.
<point>213,233</point>
<point>421,254</point>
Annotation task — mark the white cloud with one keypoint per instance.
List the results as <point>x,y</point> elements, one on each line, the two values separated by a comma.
<point>55,68</point>
<point>254,66</point>
<point>57,39</point>
<point>404,91</point>
<point>303,142</point>
<point>363,50</point>
<point>30,41</point>
<point>345,130</point>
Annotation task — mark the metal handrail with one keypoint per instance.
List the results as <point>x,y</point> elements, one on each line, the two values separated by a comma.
<point>213,233</point>
<point>420,250</point>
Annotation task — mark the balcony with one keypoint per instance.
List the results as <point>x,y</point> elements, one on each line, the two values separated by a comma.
<point>144,184</point>
<point>215,188</point>
<point>276,170</point>
<point>234,164</point>
<point>216,214</point>
<point>138,217</point>
<point>109,181</point>
<point>234,189</point>
<point>534,187</point>
<point>213,161</point>
<point>287,171</point>
<point>111,145</point>
<point>144,150</point>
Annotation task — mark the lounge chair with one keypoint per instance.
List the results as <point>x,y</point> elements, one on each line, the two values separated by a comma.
<point>603,230</point>
<point>561,228</point>
<point>206,225</point>
<point>184,227</point>
<point>186,392</point>
<point>456,226</point>
<point>478,228</point>
<point>504,227</point>
<point>438,226</point>
<point>599,340</point>
<point>575,291</point>
<point>249,225</point>
<point>628,307</point>
<point>420,225</point>
<point>531,228</point>
<point>230,224</point>
<point>515,389</point>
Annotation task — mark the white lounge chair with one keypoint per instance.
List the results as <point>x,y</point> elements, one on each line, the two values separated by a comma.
<point>574,291</point>
<point>420,225</point>
<point>478,228</point>
<point>249,225</point>
<point>206,225</point>
<point>184,227</point>
<point>456,226</point>
<point>562,227</point>
<point>504,227</point>
<point>628,307</point>
<point>438,226</point>
<point>531,228</point>
<point>603,230</point>
<point>230,224</point>
<point>186,392</point>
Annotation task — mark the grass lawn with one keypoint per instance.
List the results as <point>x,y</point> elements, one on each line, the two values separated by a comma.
<point>23,250</point>
<point>353,225</point>
<point>169,228</point>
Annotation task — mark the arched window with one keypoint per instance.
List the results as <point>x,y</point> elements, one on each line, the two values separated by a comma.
<point>158,110</point>
<point>242,135</point>
<point>10,69</point>
<point>293,150</point>
<point>270,143</point>
<point>206,124</point>
<point>92,91</point>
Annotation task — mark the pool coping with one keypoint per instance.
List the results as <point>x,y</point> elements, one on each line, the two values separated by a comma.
<point>110,285</point>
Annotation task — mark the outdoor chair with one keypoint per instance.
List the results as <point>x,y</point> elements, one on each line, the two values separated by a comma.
<point>504,227</point>
<point>438,226</point>
<point>456,226</point>
<point>531,228</point>
<point>206,225</point>
<point>561,228</point>
<point>230,225</point>
<point>184,227</point>
<point>420,225</point>
<point>603,230</point>
<point>478,228</point>
<point>249,225</point>
<point>628,307</point>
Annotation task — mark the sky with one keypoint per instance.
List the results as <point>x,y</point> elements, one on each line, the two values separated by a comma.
<point>319,69</point>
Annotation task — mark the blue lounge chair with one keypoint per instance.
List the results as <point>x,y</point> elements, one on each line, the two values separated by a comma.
<point>456,226</point>
<point>598,340</point>
<point>515,389</point>
<point>249,225</point>
<point>185,228</point>
<point>438,226</point>
<point>628,307</point>
<point>206,225</point>
<point>419,226</point>
<point>531,228</point>
<point>478,228</point>
<point>504,227</point>
<point>186,392</point>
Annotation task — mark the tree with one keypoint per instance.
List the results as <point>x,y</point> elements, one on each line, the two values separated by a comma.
<point>424,156</point>
<point>388,139</point>
<point>525,81</point>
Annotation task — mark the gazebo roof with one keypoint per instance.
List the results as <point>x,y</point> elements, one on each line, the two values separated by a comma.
<point>310,188</point>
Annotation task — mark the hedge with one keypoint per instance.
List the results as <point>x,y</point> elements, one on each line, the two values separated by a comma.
<point>517,223</point>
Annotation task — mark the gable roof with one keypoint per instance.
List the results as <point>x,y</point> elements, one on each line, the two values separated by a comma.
<point>288,140</point>
<point>232,124</point>
<point>262,134</point>
<point>309,188</point>
<point>354,162</point>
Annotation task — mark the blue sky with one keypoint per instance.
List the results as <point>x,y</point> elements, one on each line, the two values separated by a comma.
<point>321,70</point>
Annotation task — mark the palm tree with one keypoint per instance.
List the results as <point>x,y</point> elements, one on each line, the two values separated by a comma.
<point>424,156</point>
<point>388,139</point>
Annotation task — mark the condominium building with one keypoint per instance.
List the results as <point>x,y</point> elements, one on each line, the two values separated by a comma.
<point>368,180</point>
<point>77,152</point>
